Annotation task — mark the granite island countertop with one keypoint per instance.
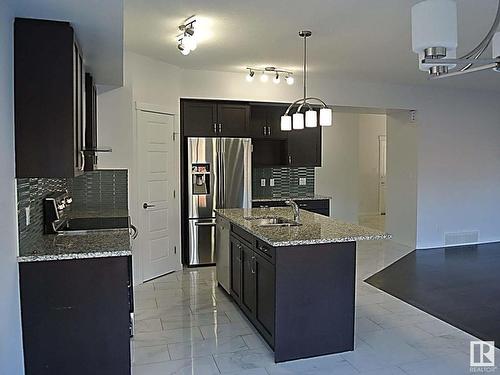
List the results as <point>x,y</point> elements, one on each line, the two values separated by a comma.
<point>315,228</point>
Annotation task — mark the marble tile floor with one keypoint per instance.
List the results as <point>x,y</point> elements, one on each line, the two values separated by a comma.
<point>185,324</point>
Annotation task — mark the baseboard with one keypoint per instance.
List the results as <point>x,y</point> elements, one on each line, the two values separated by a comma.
<point>456,245</point>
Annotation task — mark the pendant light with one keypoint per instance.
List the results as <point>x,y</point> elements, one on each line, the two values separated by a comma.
<point>297,121</point>
<point>435,41</point>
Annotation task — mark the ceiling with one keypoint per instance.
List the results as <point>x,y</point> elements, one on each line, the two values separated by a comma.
<point>352,39</point>
<point>99,28</point>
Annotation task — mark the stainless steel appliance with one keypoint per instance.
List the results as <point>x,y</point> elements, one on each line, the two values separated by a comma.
<point>219,176</point>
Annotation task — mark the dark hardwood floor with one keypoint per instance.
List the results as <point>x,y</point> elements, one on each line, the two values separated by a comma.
<point>460,285</point>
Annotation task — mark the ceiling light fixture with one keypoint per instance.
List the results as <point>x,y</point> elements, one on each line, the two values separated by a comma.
<point>268,70</point>
<point>250,75</point>
<point>311,120</point>
<point>187,39</point>
<point>435,40</point>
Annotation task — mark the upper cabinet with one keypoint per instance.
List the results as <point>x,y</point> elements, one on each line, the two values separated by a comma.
<point>49,82</point>
<point>260,121</point>
<point>203,118</point>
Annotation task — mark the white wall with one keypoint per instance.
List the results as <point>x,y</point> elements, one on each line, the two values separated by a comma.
<point>338,176</point>
<point>457,135</point>
<point>146,81</point>
<point>11,356</point>
<point>401,194</point>
<point>370,128</point>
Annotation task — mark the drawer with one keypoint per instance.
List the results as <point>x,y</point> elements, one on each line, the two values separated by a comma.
<point>242,234</point>
<point>267,252</point>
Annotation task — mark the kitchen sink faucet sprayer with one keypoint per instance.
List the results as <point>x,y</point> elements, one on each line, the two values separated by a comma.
<point>295,207</point>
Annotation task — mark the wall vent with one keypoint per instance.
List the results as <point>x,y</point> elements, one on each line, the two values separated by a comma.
<point>461,238</point>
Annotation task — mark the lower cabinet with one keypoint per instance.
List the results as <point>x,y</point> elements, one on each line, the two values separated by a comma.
<point>252,285</point>
<point>75,316</point>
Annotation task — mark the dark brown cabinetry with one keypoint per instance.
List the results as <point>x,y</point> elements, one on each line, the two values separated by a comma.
<point>265,121</point>
<point>235,253</point>
<point>300,298</point>
<point>49,99</point>
<point>90,123</point>
<point>304,147</point>
<point>203,118</point>
<point>318,206</point>
<point>75,316</point>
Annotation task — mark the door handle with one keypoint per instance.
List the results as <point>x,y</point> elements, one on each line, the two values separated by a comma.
<point>252,264</point>
<point>268,130</point>
<point>215,128</point>
<point>147,205</point>
<point>205,224</point>
<point>264,130</point>
<point>220,128</point>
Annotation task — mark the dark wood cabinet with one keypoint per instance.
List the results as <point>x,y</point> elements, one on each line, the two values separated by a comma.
<point>75,316</point>
<point>204,118</point>
<point>248,285</point>
<point>304,147</point>
<point>90,143</point>
<point>236,256</point>
<point>299,298</point>
<point>49,99</point>
<point>265,295</point>
<point>265,121</point>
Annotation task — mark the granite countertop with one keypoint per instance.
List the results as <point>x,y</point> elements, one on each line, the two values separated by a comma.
<point>315,228</point>
<point>79,246</point>
<point>302,197</point>
<point>94,244</point>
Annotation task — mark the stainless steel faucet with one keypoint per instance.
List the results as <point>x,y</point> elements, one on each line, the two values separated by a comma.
<point>296,211</point>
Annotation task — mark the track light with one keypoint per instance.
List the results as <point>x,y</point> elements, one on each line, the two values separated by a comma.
<point>187,40</point>
<point>250,76</point>
<point>266,73</point>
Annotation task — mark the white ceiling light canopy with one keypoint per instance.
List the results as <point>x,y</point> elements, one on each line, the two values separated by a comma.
<point>435,40</point>
<point>311,117</point>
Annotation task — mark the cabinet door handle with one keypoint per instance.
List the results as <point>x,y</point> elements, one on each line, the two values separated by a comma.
<point>252,264</point>
<point>268,130</point>
<point>215,128</point>
<point>289,159</point>
<point>220,128</point>
<point>264,130</point>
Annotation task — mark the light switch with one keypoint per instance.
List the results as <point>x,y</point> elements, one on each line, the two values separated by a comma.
<point>302,181</point>
<point>271,182</point>
<point>27,211</point>
<point>262,182</point>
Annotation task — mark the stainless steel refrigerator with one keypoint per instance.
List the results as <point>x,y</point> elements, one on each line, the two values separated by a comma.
<point>219,176</point>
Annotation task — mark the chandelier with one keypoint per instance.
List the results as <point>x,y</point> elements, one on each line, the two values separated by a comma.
<point>435,40</point>
<point>297,121</point>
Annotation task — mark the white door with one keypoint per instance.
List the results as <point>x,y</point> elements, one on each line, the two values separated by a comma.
<point>157,175</point>
<point>382,173</point>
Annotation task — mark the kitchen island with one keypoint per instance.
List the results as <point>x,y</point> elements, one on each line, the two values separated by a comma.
<point>295,283</point>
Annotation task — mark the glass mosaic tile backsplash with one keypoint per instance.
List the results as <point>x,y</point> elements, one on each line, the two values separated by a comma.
<point>286,182</point>
<point>92,191</point>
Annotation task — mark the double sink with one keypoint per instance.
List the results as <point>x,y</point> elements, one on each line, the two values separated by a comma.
<point>273,221</point>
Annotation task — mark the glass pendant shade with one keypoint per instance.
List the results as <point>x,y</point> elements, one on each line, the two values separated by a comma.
<point>434,24</point>
<point>311,119</point>
<point>286,123</point>
<point>496,45</point>
<point>298,121</point>
<point>325,117</point>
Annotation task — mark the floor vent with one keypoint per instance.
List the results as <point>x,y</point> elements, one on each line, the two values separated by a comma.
<point>461,238</point>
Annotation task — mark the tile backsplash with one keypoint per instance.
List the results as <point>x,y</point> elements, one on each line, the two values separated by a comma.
<point>92,191</point>
<point>286,182</point>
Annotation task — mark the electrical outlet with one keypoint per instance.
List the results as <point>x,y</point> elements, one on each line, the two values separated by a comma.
<point>302,181</point>
<point>27,211</point>
<point>271,182</point>
<point>262,182</point>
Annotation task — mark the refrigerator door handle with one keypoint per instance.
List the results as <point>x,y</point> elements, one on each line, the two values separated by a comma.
<point>223,174</point>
